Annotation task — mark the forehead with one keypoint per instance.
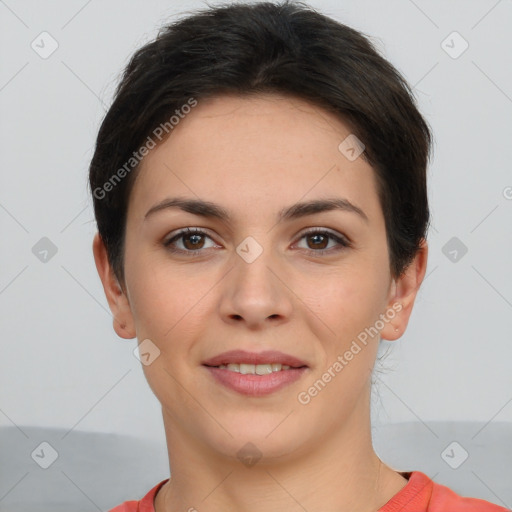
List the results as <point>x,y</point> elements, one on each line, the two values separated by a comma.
<point>255,152</point>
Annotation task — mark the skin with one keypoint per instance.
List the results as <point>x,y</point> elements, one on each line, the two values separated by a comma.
<point>254,156</point>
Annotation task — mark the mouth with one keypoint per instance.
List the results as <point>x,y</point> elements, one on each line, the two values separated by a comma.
<point>256,369</point>
<point>255,374</point>
<point>257,363</point>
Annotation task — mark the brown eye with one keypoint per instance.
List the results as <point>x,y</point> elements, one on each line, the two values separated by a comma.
<point>192,242</point>
<point>317,242</point>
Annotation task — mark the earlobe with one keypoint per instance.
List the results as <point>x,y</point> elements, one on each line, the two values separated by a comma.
<point>403,293</point>
<point>119,305</point>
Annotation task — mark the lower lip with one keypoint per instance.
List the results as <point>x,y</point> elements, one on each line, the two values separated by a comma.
<point>256,385</point>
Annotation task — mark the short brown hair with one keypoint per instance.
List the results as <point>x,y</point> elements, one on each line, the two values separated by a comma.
<point>288,48</point>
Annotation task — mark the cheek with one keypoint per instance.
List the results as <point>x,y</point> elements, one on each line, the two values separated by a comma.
<point>350,306</point>
<point>168,310</point>
<point>349,296</point>
<point>165,300</point>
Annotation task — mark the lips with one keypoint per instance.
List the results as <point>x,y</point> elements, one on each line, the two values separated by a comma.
<point>242,356</point>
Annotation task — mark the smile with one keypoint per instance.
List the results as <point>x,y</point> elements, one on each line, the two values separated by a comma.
<point>258,380</point>
<point>254,369</point>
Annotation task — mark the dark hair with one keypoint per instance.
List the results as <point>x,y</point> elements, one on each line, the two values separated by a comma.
<point>287,48</point>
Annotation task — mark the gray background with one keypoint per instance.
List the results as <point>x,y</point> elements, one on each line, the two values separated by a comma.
<point>65,377</point>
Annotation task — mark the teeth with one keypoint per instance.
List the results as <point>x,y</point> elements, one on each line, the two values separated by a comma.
<point>255,369</point>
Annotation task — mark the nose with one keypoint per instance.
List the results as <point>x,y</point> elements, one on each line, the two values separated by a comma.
<point>256,292</point>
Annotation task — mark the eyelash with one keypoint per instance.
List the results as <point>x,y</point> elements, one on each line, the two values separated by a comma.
<point>343,242</point>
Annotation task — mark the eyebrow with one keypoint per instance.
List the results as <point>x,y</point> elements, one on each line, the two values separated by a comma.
<point>209,209</point>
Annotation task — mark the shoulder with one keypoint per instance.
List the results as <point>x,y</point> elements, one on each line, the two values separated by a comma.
<point>127,506</point>
<point>443,499</point>
<point>144,505</point>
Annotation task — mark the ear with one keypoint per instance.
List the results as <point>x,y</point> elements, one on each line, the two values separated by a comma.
<point>116,297</point>
<point>403,293</point>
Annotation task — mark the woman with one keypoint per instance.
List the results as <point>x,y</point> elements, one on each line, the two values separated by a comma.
<point>260,192</point>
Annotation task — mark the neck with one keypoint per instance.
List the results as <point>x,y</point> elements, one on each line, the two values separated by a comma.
<point>338,470</point>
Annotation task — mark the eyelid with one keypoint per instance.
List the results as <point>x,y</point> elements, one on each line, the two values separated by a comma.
<point>332,232</point>
<point>187,230</point>
<point>342,241</point>
<point>179,233</point>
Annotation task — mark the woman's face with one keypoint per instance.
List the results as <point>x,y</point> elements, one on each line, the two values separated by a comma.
<point>255,281</point>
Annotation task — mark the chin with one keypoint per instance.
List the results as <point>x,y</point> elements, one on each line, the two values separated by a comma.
<point>258,442</point>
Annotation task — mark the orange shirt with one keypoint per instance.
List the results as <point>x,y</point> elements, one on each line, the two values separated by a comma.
<point>421,494</point>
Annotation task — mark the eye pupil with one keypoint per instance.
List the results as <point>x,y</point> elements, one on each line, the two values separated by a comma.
<point>316,236</point>
<point>195,240</point>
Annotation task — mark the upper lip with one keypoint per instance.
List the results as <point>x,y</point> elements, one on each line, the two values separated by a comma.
<point>242,356</point>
